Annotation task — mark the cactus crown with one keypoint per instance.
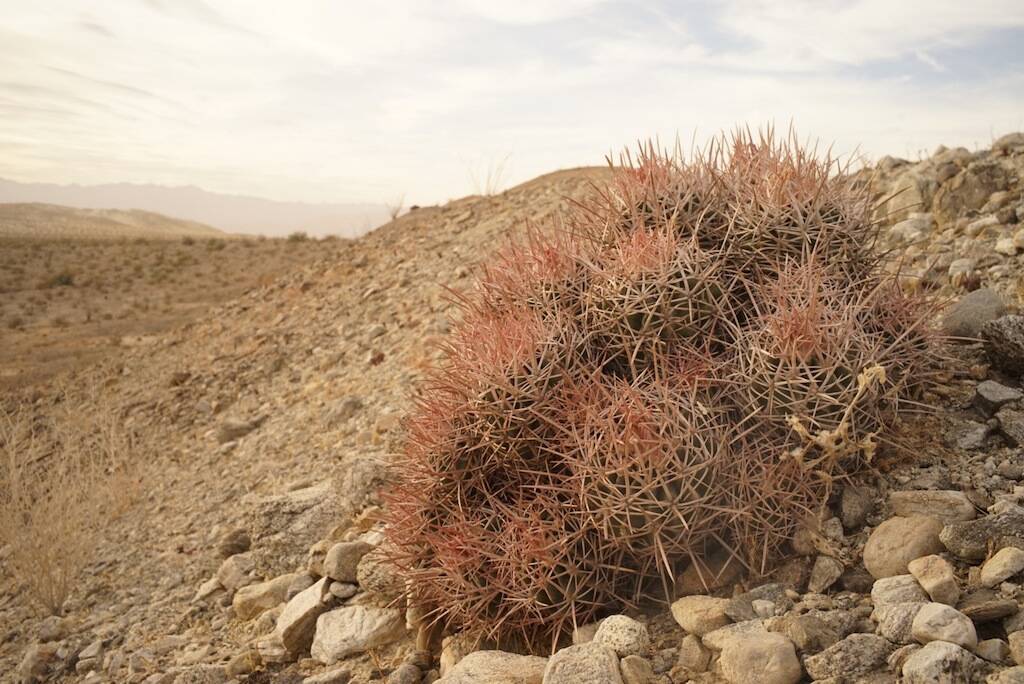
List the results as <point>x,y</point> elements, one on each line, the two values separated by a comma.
<point>682,369</point>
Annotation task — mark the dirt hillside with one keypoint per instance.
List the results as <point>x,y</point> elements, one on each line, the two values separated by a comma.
<point>51,221</point>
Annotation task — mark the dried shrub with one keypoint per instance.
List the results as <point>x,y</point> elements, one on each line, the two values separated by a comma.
<point>63,478</point>
<point>683,370</point>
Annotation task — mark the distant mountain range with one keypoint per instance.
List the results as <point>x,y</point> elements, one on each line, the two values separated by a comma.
<point>231,213</point>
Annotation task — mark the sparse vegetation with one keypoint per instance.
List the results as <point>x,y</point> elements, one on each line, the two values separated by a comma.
<point>298,236</point>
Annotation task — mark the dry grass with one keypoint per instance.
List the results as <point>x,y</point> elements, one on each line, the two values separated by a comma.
<point>64,475</point>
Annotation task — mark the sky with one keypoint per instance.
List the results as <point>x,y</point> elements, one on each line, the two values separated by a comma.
<point>345,101</point>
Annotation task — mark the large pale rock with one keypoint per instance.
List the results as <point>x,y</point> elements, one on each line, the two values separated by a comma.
<point>897,589</point>
<point>353,629</point>
<point>342,560</point>
<point>593,663</point>
<point>896,620</point>
<point>935,575</point>
<point>970,539</point>
<point>939,622</point>
<point>855,655</point>
<point>940,662</point>
<point>623,634</point>
<point>496,667</point>
<point>944,505</point>
<point>767,658</point>
<point>251,600</point>
<point>297,623</point>
<point>897,541</point>
<point>1006,563</point>
<point>700,614</point>
<point>718,638</point>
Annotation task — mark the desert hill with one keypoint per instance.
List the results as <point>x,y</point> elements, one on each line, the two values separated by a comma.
<point>275,415</point>
<point>49,221</point>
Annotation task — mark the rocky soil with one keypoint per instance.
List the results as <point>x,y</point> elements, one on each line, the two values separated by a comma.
<point>254,555</point>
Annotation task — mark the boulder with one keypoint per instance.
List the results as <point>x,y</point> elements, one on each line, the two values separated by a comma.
<point>939,622</point>
<point>940,662</point>
<point>897,589</point>
<point>496,667</point>
<point>767,658</point>
<point>593,663</point>
<point>1006,563</point>
<point>342,560</point>
<point>896,620</point>
<point>935,575</point>
<point>857,654</point>
<point>970,539</point>
<point>700,614</point>
<point>624,635</point>
<point>897,541</point>
<point>968,316</point>
<point>353,629</point>
<point>297,623</point>
<point>990,396</point>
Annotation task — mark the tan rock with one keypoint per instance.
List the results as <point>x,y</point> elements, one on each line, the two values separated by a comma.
<point>935,575</point>
<point>700,614</point>
<point>897,541</point>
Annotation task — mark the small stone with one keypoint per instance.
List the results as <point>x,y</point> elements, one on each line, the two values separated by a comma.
<point>946,506</point>
<point>1016,646</point>
<point>896,620</point>
<point>405,674</point>
<point>899,656</point>
<point>342,560</point>
<point>635,670</point>
<point>897,541</point>
<point>809,633</point>
<point>693,656</point>
<point>717,639</point>
<point>340,675</point>
<point>243,663</point>
<point>354,629</point>
<point>824,574</point>
<point>342,590</point>
<point>53,628</point>
<point>624,635</point>
<point>1006,563</point>
<point>990,396</point>
<point>1006,246</point>
<point>231,430</point>
<point>984,605</point>
<point>763,608</point>
<point>966,318</point>
<point>1011,425</point>
<point>939,622</point>
<point>297,623</point>
<point>496,667</point>
<point>593,663</point>
<point>970,540</point>
<point>249,601</point>
<point>940,662</point>
<point>234,542</point>
<point>741,607</point>
<point>993,650</point>
<point>700,614</point>
<point>935,575</point>
<point>767,658</point>
<point>1004,343</point>
<point>855,505</point>
<point>234,572</point>
<point>857,654</point>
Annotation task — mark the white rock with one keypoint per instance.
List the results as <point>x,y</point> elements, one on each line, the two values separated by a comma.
<point>939,622</point>
<point>935,575</point>
<point>297,623</point>
<point>251,600</point>
<point>623,634</point>
<point>496,667</point>
<point>945,505</point>
<point>342,560</point>
<point>993,650</point>
<point>592,663</point>
<point>1006,246</point>
<point>760,659</point>
<point>354,629</point>
<point>896,620</point>
<point>897,589</point>
<point>717,639</point>
<point>940,662</point>
<point>700,614</point>
<point>233,573</point>
<point>1006,563</point>
<point>897,541</point>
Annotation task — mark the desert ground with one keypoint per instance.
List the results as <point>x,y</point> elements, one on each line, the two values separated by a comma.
<point>252,394</point>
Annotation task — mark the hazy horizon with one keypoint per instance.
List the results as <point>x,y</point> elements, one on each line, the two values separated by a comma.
<point>333,103</point>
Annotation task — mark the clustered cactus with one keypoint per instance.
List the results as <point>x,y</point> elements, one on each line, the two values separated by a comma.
<point>681,368</point>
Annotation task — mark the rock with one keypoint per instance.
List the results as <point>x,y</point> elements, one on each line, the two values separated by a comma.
<point>855,505</point>
<point>946,506</point>
<point>234,572</point>
<point>767,658</point>
<point>969,435</point>
<point>375,574</point>
<point>993,650</point>
<point>824,574</point>
<point>243,663</point>
<point>593,663</point>
<point>342,590</point>
<point>406,673</point>
<point>990,396</point>
<point>624,635</point>
<point>251,600</point>
<point>985,605</point>
<point>809,633</point>
<point>897,589</point>
<point>1006,563</point>
<point>234,542</point>
<point>935,575</point>
<point>231,430</point>
<point>897,541</point>
<point>496,667</point>
<point>896,620</point>
<point>857,654</point>
<point>1011,675</point>
<point>966,318</point>
<point>635,670</point>
<point>939,622</point>
<point>969,540</point>
<point>297,623</point>
<point>342,560</point>
<point>36,663</point>
<point>1016,645</point>
<point>1008,143</point>
<point>700,614</point>
<point>693,656</point>
<point>899,656</point>
<point>717,639</point>
<point>585,633</point>
<point>301,582</point>
<point>940,662</point>
<point>353,629</point>
<point>52,628</point>
<point>1011,425</point>
<point>340,675</point>
<point>1004,343</point>
<point>1006,245</point>
<point>740,608</point>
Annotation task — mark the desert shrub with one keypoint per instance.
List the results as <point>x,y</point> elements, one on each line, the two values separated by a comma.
<point>683,372</point>
<point>215,244</point>
<point>61,279</point>
<point>298,236</point>
<point>188,240</point>
<point>63,478</point>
